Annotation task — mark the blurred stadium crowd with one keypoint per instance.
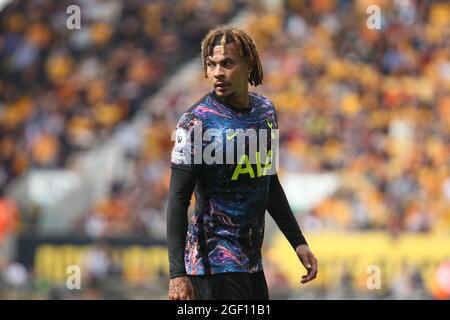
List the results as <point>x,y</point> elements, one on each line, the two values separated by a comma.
<point>372,106</point>
<point>63,91</point>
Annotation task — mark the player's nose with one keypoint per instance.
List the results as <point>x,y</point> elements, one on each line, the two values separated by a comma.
<point>218,71</point>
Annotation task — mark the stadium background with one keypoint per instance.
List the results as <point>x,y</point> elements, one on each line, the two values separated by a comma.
<point>86,118</point>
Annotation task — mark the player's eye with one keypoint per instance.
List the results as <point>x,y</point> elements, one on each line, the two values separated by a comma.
<point>209,64</point>
<point>228,64</point>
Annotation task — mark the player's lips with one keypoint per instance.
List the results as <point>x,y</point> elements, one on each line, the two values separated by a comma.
<point>221,84</point>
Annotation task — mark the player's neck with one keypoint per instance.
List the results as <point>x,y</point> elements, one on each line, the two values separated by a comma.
<point>241,101</point>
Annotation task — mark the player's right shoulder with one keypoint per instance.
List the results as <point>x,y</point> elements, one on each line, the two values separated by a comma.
<point>195,111</point>
<point>193,115</point>
<point>189,124</point>
<point>200,102</point>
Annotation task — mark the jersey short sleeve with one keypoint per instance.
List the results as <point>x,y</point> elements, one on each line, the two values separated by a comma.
<point>187,149</point>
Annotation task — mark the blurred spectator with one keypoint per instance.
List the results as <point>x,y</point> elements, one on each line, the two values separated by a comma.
<point>369,105</point>
<point>442,286</point>
<point>9,216</point>
<point>63,90</point>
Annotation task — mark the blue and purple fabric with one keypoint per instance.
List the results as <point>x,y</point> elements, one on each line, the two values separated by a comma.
<point>226,231</point>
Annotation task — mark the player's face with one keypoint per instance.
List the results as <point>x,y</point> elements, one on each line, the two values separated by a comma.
<point>228,72</point>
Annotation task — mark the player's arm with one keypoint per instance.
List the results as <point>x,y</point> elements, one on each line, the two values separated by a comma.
<point>183,178</point>
<point>182,183</point>
<point>278,207</point>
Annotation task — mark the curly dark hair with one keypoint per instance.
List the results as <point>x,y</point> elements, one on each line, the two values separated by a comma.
<point>223,35</point>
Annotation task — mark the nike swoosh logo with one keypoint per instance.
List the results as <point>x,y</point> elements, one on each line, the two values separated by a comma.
<point>272,134</point>
<point>232,136</point>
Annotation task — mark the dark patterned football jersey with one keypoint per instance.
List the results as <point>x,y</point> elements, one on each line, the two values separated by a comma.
<point>233,152</point>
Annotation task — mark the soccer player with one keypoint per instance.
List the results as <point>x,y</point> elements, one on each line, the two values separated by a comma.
<point>217,254</point>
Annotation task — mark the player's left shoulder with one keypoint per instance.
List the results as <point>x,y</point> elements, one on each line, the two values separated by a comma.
<point>262,100</point>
